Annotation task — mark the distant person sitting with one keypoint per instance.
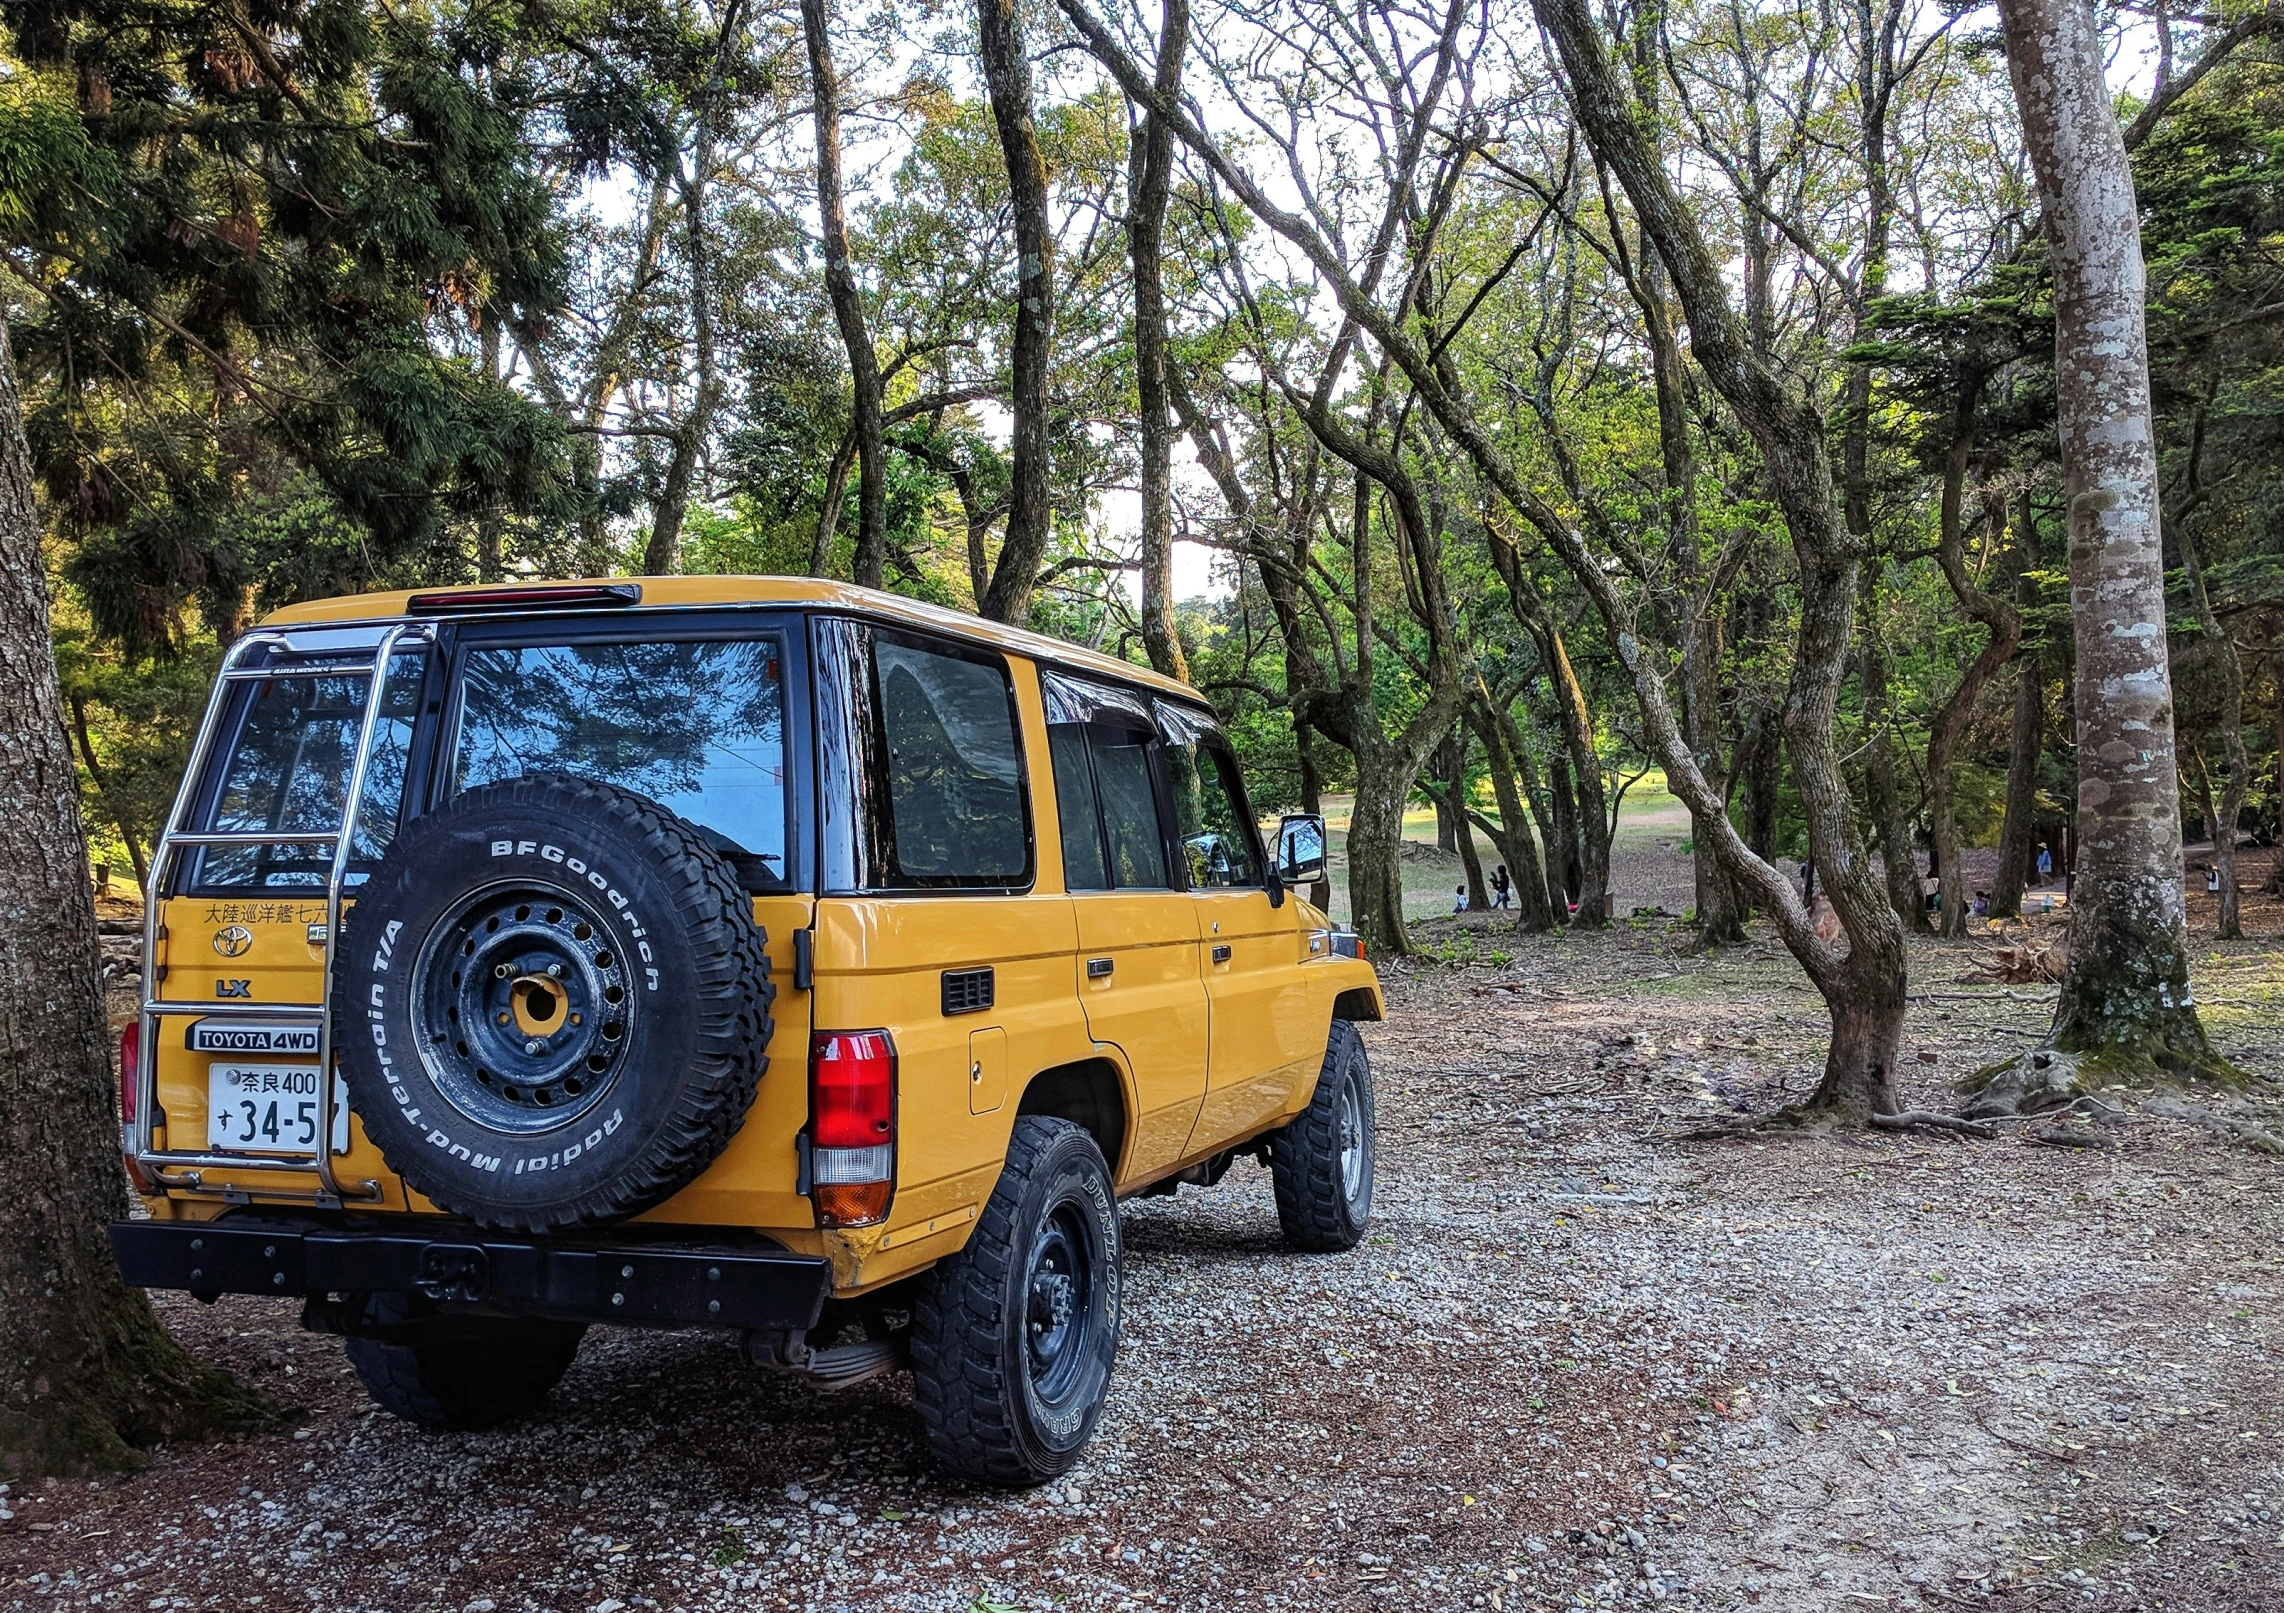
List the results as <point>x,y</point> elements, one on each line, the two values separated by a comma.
<point>1502,887</point>
<point>1459,900</point>
<point>2212,879</point>
<point>1982,907</point>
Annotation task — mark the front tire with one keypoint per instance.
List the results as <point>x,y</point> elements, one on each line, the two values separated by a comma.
<point>476,1378</point>
<point>1014,1337</point>
<point>1324,1159</point>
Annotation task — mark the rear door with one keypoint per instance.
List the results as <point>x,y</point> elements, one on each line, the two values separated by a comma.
<point>1263,1040</point>
<point>702,713</point>
<point>1137,930</point>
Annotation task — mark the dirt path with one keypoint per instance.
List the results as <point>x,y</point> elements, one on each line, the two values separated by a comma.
<point>1577,1363</point>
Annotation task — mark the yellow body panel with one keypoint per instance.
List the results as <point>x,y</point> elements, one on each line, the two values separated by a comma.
<point>1208,1050</point>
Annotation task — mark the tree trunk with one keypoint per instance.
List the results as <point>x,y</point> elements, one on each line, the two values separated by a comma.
<point>2018,835</point>
<point>2125,992</point>
<point>1883,790</point>
<point>1944,736</point>
<point>2222,648</point>
<point>1375,867</point>
<point>1318,895</point>
<point>87,1375</point>
<point>1589,882</point>
<point>662,553</point>
<point>1566,857</point>
<point>1446,803</point>
<point>489,561</point>
<point>1518,846</point>
<point>1153,177</point>
<point>1863,988</point>
<point>1007,75</point>
<point>848,313</point>
<point>1451,814</point>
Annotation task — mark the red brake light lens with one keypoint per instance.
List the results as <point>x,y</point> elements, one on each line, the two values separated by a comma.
<point>852,1126</point>
<point>130,1072</point>
<point>853,1089</point>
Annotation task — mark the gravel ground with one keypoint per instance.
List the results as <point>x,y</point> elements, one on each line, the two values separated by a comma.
<point>1577,1363</point>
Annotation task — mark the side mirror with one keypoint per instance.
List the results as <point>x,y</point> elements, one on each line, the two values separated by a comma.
<point>1300,850</point>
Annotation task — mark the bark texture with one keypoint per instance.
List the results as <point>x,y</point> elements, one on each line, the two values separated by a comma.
<point>865,426</point>
<point>1007,76</point>
<point>1153,170</point>
<point>2125,992</point>
<point>87,1376</point>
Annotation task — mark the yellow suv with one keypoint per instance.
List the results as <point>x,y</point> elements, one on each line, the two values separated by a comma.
<point>740,952</point>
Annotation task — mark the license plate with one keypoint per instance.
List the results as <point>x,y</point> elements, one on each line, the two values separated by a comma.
<point>269,1109</point>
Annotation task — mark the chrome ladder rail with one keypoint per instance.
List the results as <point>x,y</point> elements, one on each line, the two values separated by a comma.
<point>141,1132</point>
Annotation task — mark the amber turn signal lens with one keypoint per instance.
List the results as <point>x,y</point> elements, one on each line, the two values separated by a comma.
<point>852,1204</point>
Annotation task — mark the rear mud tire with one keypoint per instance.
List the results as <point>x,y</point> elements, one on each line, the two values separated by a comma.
<point>496,1372</point>
<point>1014,1337</point>
<point>1323,1161</point>
<point>552,1003</point>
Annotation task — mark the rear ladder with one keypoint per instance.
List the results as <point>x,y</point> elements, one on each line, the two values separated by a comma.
<point>185,1169</point>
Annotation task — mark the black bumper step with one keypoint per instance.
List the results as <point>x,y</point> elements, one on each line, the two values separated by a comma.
<point>644,1284</point>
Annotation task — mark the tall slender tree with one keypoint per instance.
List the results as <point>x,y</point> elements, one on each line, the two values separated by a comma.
<point>2126,996</point>
<point>848,312</point>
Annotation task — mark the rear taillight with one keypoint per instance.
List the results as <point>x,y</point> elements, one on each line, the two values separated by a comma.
<point>130,1069</point>
<point>852,1126</point>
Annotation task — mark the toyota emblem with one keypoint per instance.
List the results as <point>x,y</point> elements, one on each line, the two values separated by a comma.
<point>233,941</point>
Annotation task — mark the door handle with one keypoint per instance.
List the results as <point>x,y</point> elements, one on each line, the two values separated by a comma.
<point>1221,954</point>
<point>1098,968</point>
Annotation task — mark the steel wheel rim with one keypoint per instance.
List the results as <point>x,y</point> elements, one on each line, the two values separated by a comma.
<point>1059,1324</point>
<point>521,1008</point>
<point>1355,1147</point>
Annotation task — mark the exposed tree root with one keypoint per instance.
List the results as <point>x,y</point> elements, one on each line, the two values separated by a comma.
<point>1928,1120</point>
<point>2043,1079</point>
<point>1809,1117</point>
<point>2256,1137</point>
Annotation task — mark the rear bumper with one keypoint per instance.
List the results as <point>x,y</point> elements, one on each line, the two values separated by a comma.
<point>684,1284</point>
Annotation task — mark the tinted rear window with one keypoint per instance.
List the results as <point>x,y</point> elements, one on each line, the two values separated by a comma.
<point>698,727</point>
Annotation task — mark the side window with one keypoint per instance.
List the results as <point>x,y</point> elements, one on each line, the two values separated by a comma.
<point>952,765</point>
<point>1210,816</point>
<point>1084,868</point>
<point>1122,768</point>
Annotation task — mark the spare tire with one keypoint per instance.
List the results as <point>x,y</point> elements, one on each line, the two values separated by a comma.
<point>552,1004</point>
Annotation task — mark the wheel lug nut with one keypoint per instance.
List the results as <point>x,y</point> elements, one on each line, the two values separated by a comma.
<point>499,971</point>
<point>555,969</point>
<point>531,1047</point>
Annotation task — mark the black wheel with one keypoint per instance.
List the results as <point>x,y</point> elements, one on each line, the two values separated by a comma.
<point>1322,1161</point>
<point>552,1003</point>
<point>484,1373</point>
<point>1014,1336</point>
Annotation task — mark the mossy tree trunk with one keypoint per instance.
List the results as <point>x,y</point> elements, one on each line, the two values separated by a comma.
<point>2125,992</point>
<point>88,1378</point>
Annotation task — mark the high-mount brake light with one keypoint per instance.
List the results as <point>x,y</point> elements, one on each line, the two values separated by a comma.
<point>852,1126</point>
<point>468,601</point>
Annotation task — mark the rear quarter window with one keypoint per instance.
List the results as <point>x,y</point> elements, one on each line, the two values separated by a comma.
<point>949,757</point>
